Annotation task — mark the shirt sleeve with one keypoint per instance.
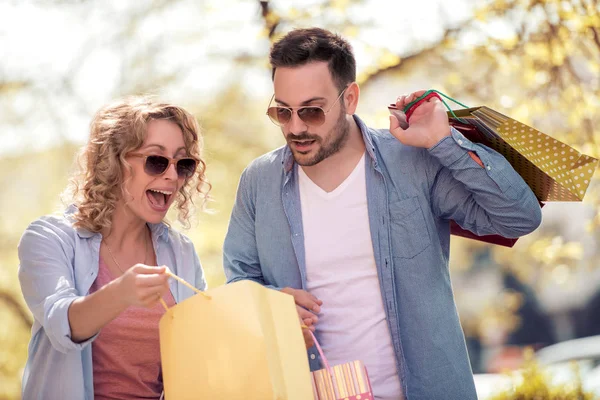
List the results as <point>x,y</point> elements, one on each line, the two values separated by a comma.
<point>489,200</point>
<point>200,281</point>
<point>240,253</point>
<point>47,281</point>
<point>476,159</point>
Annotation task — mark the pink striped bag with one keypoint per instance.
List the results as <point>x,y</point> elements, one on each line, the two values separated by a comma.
<point>348,381</point>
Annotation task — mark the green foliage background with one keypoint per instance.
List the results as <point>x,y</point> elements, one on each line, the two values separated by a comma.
<point>545,72</point>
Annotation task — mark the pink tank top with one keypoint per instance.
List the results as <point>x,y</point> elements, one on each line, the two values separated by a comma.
<point>126,353</point>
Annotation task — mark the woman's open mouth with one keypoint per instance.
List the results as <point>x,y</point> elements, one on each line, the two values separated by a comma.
<point>159,199</point>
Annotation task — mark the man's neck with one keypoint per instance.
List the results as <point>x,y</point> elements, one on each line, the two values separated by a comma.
<point>332,171</point>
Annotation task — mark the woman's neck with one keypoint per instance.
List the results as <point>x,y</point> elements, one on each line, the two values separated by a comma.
<point>127,230</point>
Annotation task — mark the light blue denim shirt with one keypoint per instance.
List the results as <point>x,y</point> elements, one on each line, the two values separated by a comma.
<point>412,194</point>
<point>58,264</point>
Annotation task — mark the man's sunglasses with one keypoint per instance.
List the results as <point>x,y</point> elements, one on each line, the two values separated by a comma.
<point>310,115</point>
<point>158,165</point>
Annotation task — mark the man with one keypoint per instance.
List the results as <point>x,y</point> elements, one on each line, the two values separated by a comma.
<point>354,222</point>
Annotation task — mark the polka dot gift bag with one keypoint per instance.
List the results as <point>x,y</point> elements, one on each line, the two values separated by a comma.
<point>553,170</point>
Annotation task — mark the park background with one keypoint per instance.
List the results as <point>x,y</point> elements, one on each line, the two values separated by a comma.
<point>535,60</point>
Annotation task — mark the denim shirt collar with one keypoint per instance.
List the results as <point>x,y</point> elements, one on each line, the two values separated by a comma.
<point>288,157</point>
<point>160,230</point>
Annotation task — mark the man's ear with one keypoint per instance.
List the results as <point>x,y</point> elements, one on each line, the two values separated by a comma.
<point>351,96</point>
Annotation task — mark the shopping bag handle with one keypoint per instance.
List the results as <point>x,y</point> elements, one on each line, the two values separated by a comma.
<point>410,107</point>
<point>185,283</point>
<point>437,94</point>
<point>325,362</point>
<point>323,358</point>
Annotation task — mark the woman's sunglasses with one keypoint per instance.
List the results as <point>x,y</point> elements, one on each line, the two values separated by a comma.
<point>310,115</point>
<point>158,165</point>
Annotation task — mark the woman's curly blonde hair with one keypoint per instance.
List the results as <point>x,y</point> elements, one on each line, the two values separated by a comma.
<point>117,130</point>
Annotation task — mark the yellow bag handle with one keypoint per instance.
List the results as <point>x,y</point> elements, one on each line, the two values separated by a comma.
<point>184,282</point>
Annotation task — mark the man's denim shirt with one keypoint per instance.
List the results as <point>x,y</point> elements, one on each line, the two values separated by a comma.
<point>58,264</point>
<point>412,193</point>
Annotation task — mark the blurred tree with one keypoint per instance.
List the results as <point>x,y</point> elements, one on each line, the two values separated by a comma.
<point>544,71</point>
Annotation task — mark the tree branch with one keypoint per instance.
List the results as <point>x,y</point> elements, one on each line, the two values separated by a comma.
<point>16,307</point>
<point>270,19</point>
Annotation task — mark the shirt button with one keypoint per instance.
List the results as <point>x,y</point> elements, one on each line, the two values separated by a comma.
<point>489,168</point>
<point>312,357</point>
<point>460,141</point>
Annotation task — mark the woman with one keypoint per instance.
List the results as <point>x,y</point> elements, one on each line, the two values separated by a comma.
<point>94,276</point>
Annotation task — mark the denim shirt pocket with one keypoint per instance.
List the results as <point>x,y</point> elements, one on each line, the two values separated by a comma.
<point>410,235</point>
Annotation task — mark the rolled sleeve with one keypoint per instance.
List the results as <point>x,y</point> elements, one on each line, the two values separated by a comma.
<point>240,253</point>
<point>453,152</point>
<point>57,323</point>
<point>200,281</point>
<point>456,147</point>
<point>451,148</point>
<point>489,200</point>
<point>46,277</point>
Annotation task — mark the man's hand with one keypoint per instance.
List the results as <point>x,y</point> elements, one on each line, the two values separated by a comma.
<point>307,306</point>
<point>428,123</point>
<point>308,339</point>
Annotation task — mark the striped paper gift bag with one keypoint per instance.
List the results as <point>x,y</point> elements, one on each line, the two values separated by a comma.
<point>348,381</point>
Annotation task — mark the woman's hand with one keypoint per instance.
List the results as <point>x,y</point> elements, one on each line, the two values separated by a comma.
<point>143,285</point>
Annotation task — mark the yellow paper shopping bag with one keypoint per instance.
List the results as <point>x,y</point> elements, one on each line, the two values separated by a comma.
<point>238,341</point>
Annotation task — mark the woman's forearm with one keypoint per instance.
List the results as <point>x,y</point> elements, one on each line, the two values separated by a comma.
<point>88,314</point>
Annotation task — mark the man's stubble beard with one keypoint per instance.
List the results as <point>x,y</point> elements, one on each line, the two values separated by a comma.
<point>339,136</point>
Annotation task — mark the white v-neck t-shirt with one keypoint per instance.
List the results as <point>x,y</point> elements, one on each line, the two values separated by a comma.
<point>341,271</point>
